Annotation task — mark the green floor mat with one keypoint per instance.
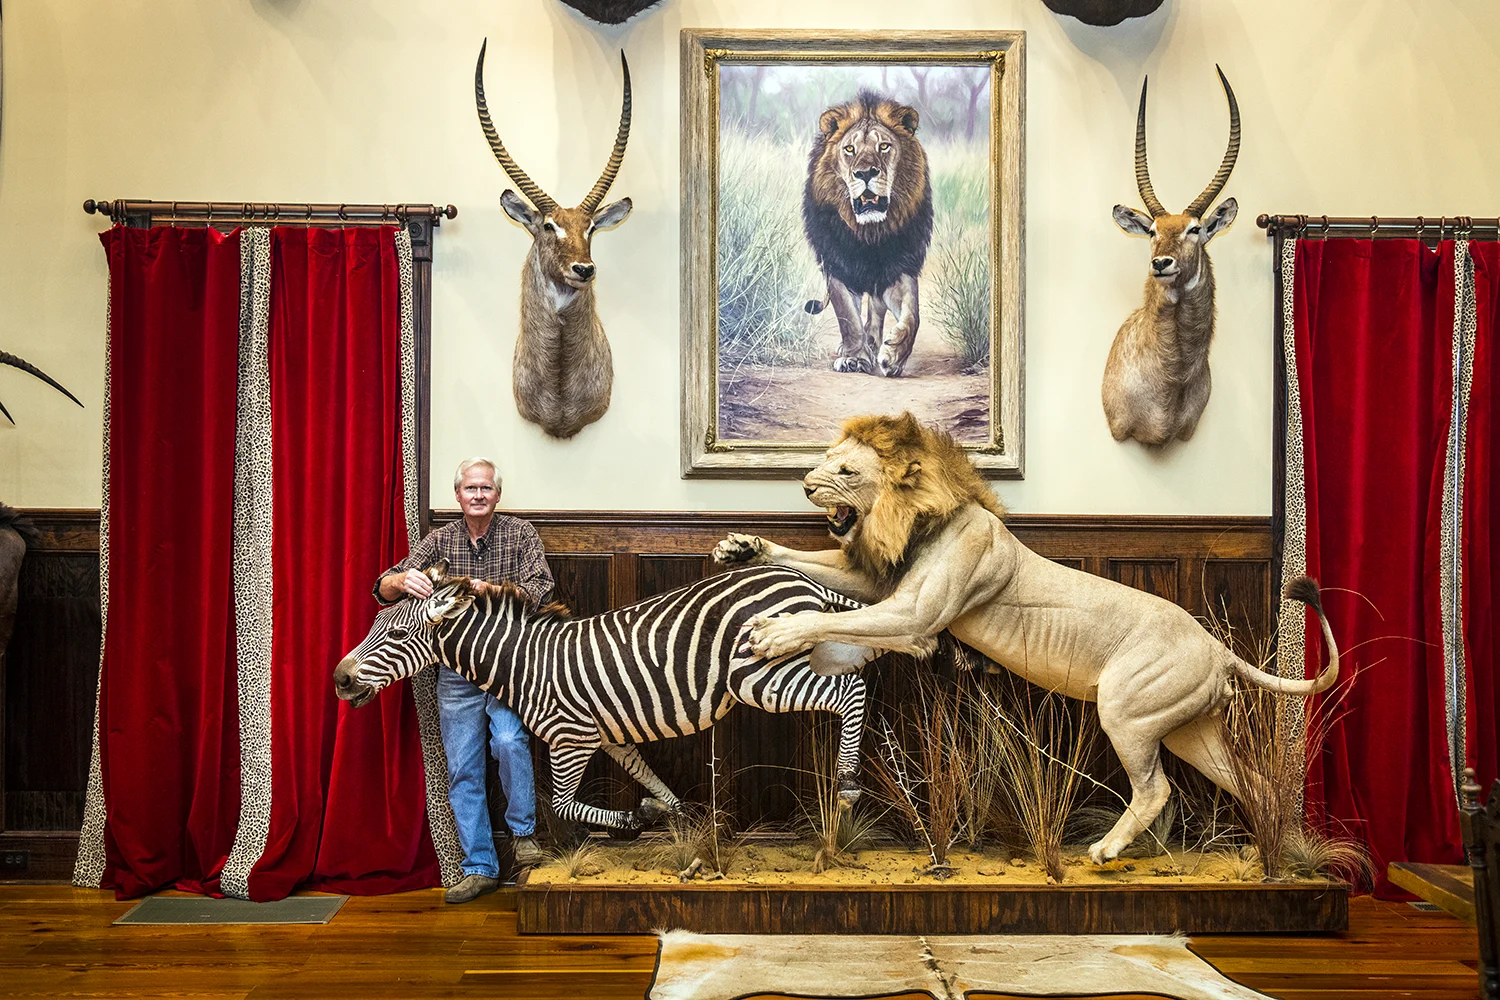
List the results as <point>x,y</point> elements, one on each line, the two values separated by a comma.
<point>206,910</point>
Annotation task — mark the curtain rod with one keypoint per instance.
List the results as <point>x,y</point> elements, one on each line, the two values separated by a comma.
<point>171,212</point>
<point>1376,227</point>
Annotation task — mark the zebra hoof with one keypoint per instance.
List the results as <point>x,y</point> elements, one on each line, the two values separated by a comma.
<point>649,811</point>
<point>624,835</point>
<point>849,792</point>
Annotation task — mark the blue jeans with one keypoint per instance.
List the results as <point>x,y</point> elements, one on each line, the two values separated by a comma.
<point>465,712</point>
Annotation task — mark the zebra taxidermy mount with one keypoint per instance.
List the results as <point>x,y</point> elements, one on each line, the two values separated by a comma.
<point>1156,382</point>
<point>614,11</point>
<point>6,358</point>
<point>563,370</point>
<point>668,666</point>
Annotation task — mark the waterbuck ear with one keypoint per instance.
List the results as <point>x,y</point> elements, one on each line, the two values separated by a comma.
<point>515,207</point>
<point>612,215</point>
<point>1133,222</point>
<point>1220,218</point>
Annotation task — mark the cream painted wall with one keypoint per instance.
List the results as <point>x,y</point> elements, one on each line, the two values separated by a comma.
<point>1349,107</point>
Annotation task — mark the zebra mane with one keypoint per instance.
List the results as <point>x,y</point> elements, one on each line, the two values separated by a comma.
<point>510,591</point>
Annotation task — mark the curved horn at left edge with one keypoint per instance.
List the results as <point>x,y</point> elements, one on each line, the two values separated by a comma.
<point>6,358</point>
<point>1201,203</point>
<point>618,153</point>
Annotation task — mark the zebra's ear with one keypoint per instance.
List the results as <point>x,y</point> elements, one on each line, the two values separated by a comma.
<point>437,571</point>
<point>447,602</point>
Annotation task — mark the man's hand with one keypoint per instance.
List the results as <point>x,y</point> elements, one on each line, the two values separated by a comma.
<point>413,582</point>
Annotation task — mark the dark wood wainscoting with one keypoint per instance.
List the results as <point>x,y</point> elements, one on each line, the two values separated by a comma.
<point>601,560</point>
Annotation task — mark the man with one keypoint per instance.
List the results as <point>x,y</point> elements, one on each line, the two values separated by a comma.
<point>491,548</point>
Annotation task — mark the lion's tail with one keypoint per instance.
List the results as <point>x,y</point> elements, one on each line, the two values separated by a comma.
<point>1303,589</point>
<point>816,306</point>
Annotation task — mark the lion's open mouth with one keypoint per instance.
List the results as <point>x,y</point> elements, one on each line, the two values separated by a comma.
<point>871,203</point>
<point>841,519</point>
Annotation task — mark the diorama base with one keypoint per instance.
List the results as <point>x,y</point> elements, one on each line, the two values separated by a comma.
<point>937,908</point>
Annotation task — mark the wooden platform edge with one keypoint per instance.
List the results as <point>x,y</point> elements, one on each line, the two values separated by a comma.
<point>1448,886</point>
<point>1308,907</point>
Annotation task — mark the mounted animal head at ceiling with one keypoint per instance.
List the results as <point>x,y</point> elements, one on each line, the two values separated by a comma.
<point>1103,13</point>
<point>563,370</point>
<point>1156,382</point>
<point>614,11</point>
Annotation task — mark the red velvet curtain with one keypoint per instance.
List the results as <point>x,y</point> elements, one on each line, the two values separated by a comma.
<point>348,809</point>
<point>168,708</point>
<point>1481,543</point>
<point>1373,327</point>
<point>346,798</point>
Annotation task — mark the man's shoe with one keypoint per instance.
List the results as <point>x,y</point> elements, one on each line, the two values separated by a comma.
<point>472,887</point>
<point>527,851</point>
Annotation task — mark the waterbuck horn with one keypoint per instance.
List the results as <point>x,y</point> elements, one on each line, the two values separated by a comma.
<point>6,358</point>
<point>1142,175</point>
<point>528,187</point>
<point>1200,204</point>
<point>617,154</point>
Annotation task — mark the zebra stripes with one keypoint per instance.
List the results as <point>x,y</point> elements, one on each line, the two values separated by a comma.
<point>668,666</point>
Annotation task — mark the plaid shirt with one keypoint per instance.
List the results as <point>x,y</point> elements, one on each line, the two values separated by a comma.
<point>510,551</point>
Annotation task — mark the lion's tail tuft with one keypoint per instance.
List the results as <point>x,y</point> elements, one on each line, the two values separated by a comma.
<point>1304,590</point>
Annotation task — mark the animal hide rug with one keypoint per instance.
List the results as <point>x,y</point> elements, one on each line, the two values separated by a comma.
<point>726,966</point>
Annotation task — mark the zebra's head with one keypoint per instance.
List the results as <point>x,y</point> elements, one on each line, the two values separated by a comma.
<point>402,640</point>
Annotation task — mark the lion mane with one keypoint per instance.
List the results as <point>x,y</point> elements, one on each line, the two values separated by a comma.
<point>868,258</point>
<point>928,479</point>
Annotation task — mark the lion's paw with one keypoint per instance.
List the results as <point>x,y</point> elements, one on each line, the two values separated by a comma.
<point>773,638</point>
<point>890,365</point>
<point>738,548</point>
<point>1102,852</point>
<point>856,363</point>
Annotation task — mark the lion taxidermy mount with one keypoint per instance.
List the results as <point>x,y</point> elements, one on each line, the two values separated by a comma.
<point>867,212</point>
<point>1156,381</point>
<point>614,11</point>
<point>922,540</point>
<point>563,371</point>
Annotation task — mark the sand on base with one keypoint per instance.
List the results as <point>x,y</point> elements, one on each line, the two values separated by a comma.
<point>647,863</point>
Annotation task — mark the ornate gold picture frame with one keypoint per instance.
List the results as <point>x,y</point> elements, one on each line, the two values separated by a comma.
<point>796,144</point>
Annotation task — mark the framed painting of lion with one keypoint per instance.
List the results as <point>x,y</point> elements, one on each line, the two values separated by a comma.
<point>851,242</point>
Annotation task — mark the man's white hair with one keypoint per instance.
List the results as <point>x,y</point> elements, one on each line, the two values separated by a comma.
<point>469,463</point>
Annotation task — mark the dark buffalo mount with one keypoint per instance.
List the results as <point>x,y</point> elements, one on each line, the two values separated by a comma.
<point>1103,13</point>
<point>615,11</point>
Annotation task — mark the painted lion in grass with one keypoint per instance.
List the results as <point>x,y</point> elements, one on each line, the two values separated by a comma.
<point>867,211</point>
<point>923,540</point>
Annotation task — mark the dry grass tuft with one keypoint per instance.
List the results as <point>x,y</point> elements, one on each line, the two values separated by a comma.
<point>838,829</point>
<point>581,860</point>
<point>1309,854</point>
<point>1243,865</point>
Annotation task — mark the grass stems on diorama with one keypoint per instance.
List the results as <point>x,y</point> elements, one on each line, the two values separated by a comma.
<point>838,828</point>
<point>937,767</point>
<point>1269,739</point>
<point>1044,752</point>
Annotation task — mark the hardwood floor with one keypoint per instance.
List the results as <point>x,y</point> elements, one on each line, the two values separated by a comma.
<point>57,941</point>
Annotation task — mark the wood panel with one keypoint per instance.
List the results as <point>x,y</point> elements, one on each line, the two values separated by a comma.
<point>928,909</point>
<point>600,559</point>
